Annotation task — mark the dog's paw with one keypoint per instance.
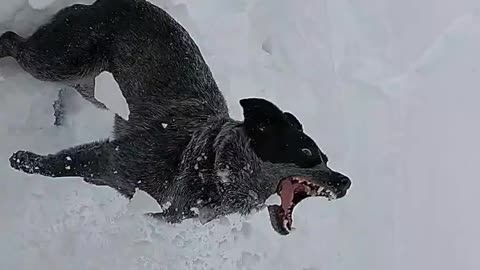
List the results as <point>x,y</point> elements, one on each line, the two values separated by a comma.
<point>25,161</point>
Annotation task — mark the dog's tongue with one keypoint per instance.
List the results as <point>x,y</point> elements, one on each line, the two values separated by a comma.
<point>287,191</point>
<point>278,219</point>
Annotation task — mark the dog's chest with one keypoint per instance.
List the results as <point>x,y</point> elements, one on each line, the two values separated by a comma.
<point>201,165</point>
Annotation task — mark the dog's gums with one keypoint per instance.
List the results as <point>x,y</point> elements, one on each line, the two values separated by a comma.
<point>292,190</point>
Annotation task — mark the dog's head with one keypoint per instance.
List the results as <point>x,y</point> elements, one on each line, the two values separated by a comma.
<point>277,137</point>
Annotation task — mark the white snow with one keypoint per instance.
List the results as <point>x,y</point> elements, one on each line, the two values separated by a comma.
<point>166,205</point>
<point>40,4</point>
<point>108,92</point>
<point>388,89</point>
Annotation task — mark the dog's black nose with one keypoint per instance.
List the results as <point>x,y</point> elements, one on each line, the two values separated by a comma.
<point>341,180</point>
<point>342,184</point>
<point>345,183</point>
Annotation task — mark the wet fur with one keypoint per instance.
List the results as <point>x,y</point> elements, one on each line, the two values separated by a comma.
<point>179,144</point>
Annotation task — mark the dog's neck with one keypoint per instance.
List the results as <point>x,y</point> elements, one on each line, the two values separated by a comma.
<point>221,173</point>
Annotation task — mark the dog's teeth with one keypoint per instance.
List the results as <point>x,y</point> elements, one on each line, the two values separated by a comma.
<point>331,195</point>
<point>285,224</point>
<point>319,191</point>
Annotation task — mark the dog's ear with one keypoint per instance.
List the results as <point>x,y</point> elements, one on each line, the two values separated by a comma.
<point>261,116</point>
<point>293,121</point>
<point>276,136</point>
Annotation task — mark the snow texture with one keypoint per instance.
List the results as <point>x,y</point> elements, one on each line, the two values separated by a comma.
<point>389,89</point>
<point>108,92</point>
<point>40,4</point>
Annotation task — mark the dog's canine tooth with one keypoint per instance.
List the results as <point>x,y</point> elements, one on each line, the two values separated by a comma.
<point>285,224</point>
<point>331,195</point>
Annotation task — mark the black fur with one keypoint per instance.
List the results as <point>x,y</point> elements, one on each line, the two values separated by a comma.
<point>179,144</point>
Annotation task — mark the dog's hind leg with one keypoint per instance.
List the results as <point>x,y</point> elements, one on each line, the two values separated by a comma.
<point>72,46</point>
<point>37,64</point>
<point>86,88</point>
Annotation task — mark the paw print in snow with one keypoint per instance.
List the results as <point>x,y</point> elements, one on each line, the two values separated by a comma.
<point>25,161</point>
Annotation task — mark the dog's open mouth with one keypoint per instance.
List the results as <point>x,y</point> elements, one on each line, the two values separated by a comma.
<point>292,190</point>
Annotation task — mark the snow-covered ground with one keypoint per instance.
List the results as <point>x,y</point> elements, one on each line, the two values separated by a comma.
<point>389,89</point>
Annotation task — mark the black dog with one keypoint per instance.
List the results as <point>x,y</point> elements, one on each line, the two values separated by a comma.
<point>179,144</point>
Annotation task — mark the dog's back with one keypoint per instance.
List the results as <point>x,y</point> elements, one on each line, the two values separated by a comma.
<point>159,68</point>
<point>181,89</point>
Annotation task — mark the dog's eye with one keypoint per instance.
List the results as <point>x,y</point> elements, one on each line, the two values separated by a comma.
<point>307,152</point>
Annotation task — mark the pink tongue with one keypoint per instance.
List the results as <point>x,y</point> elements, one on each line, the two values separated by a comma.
<point>286,194</point>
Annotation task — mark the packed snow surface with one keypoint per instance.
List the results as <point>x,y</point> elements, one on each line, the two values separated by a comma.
<point>389,90</point>
<point>108,92</point>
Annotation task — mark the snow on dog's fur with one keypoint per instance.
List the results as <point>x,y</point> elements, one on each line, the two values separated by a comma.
<point>179,144</point>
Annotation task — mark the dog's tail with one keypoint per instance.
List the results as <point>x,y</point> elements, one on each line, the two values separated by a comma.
<point>10,43</point>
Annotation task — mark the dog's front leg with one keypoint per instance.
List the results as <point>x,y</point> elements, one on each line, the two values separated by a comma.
<point>89,160</point>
